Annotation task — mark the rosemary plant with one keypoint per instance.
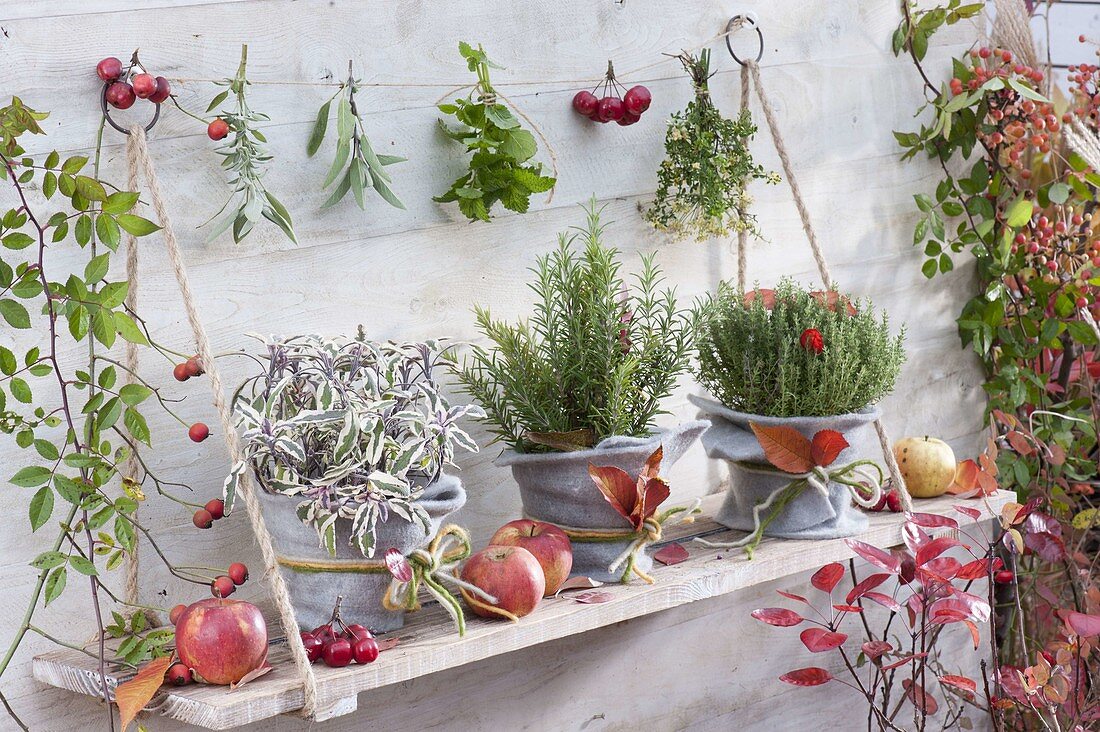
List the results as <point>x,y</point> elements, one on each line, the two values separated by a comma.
<point>595,358</point>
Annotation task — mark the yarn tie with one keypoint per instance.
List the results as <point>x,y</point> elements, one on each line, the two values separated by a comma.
<point>431,566</point>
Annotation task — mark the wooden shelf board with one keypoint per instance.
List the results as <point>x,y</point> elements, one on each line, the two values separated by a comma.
<point>429,643</point>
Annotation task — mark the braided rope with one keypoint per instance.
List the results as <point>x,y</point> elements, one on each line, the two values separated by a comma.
<point>138,144</point>
<point>743,234</point>
<point>133,465</point>
<point>815,247</point>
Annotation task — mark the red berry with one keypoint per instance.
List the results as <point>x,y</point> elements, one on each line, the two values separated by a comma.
<point>324,632</point>
<point>193,366</point>
<point>1004,576</point>
<point>627,119</point>
<point>222,587</point>
<point>178,674</point>
<point>358,632</point>
<point>216,507</point>
<point>120,95</point>
<point>365,650</point>
<point>198,432</point>
<point>985,52</point>
<point>610,109</point>
<point>337,653</point>
<point>238,573</point>
<point>217,129</point>
<point>174,613</point>
<point>203,519</point>
<point>637,100</point>
<point>144,85</point>
<point>109,68</point>
<point>893,502</point>
<point>162,92</point>
<point>585,102</point>
<point>313,646</point>
<point>180,372</point>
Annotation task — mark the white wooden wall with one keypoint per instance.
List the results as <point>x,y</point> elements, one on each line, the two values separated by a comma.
<point>417,273</point>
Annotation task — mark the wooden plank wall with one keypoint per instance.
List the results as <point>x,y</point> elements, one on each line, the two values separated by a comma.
<point>417,273</point>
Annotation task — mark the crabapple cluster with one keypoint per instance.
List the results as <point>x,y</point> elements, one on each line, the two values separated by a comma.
<point>127,84</point>
<point>337,644</point>
<point>608,102</point>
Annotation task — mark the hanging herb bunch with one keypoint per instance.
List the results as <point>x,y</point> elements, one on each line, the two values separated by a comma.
<point>500,147</point>
<point>701,183</point>
<point>244,157</point>
<point>362,168</point>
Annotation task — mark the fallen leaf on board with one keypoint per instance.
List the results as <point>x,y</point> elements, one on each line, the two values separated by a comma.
<point>578,583</point>
<point>674,553</point>
<point>593,598</point>
<point>262,670</point>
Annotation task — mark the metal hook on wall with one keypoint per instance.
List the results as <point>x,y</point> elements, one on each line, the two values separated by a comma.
<point>744,21</point>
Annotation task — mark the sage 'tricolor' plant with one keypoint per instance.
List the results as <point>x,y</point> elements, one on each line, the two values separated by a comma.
<point>354,428</point>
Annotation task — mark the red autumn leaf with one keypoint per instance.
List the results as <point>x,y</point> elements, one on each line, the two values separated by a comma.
<point>1082,624</point>
<point>262,670</point>
<point>826,578</point>
<point>398,565</point>
<point>869,582</point>
<point>902,661</point>
<point>674,553</point>
<point>974,634</point>
<point>921,699</point>
<point>792,596</point>
<point>593,597</point>
<point>132,696</point>
<point>875,556</point>
<point>652,468</point>
<point>966,478</point>
<point>811,676</point>
<point>826,446</point>
<point>1048,546</point>
<point>780,617</point>
<point>968,511</point>
<point>934,548</point>
<point>785,447</point>
<point>818,640</point>
<point>653,492</point>
<point>618,488</point>
<point>883,599</point>
<point>1020,443</point>
<point>385,644</point>
<point>876,648</point>
<point>848,608</point>
<point>932,520</point>
<point>1057,454</point>
<point>978,568</point>
<point>914,536</point>
<point>959,682</point>
<point>946,567</point>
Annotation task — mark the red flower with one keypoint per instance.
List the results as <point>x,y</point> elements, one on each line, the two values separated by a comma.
<point>811,340</point>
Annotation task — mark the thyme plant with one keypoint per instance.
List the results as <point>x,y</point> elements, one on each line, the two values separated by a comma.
<point>794,353</point>
<point>594,359</point>
<point>701,183</point>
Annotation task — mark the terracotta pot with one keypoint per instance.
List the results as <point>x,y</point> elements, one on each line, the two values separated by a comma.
<point>314,593</point>
<point>810,515</point>
<point>557,488</point>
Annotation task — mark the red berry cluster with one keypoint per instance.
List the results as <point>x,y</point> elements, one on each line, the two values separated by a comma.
<point>890,501</point>
<point>605,103</point>
<point>182,372</point>
<point>205,517</point>
<point>128,84</point>
<point>338,644</point>
<point>1085,91</point>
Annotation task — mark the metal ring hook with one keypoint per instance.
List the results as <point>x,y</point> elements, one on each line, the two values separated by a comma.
<point>107,113</point>
<point>740,21</point>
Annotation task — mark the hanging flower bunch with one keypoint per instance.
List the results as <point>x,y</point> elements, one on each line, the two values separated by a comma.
<point>701,183</point>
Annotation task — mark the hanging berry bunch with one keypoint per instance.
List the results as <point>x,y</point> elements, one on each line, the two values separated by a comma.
<point>244,156</point>
<point>605,103</point>
<point>126,84</point>
<point>338,644</point>
<point>701,183</point>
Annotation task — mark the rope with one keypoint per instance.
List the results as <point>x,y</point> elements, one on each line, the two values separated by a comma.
<point>1083,141</point>
<point>140,151</point>
<point>743,234</point>
<point>753,69</point>
<point>132,465</point>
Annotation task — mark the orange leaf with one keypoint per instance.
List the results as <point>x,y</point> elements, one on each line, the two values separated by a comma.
<point>966,477</point>
<point>655,492</point>
<point>617,487</point>
<point>132,696</point>
<point>652,467</point>
<point>826,446</point>
<point>785,447</point>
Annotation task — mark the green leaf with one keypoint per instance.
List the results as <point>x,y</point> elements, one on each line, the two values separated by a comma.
<point>120,202</point>
<point>124,533</point>
<point>136,225</point>
<point>106,228</point>
<point>68,489</point>
<point>8,363</point>
<point>345,120</point>
<point>47,450</point>
<point>41,507</point>
<point>218,99</point>
<point>519,144</point>
<point>55,584</point>
<point>929,268</point>
<point>1059,193</point>
<point>343,150</point>
<point>82,565</point>
<point>109,414</point>
<point>74,164</point>
<point>90,189</point>
<point>17,240</point>
<point>31,477</point>
<point>136,425</point>
<point>339,192</point>
<point>1020,213</point>
<point>15,314</point>
<point>128,329</point>
<point>97,267</point>
<point>48,560</point>
<point>501,116</point>
<point>134,394</point>
<point>319,128</point>
<point>20,390</point>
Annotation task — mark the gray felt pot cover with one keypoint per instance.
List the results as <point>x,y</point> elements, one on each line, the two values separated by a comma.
<point>810,515</point>
<point>557,488</point>
<point>313,594</point>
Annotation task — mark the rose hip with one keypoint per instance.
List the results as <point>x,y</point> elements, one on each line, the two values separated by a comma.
<point>109,69</point>
<point>222,587</point>
<point>238,573</point>
<point>120,95</point>
<point>216,507</point>
<point>218,129</point>
<point>178,674</point>
<point>162,92</point>
<point>144,85</point>
<point>202,519</point>
<point>198,432</point>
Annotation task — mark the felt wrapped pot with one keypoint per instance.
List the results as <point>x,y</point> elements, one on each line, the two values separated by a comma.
<point>556,487</point>
<point>315,578</point>
<point>810,515</point>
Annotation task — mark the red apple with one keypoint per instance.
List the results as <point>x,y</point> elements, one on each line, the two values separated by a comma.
<point>549,545</point>
<point>511,574</point>
<point>221,640</point>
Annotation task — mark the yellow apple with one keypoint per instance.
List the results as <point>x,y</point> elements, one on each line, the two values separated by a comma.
<point>927,464</point>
